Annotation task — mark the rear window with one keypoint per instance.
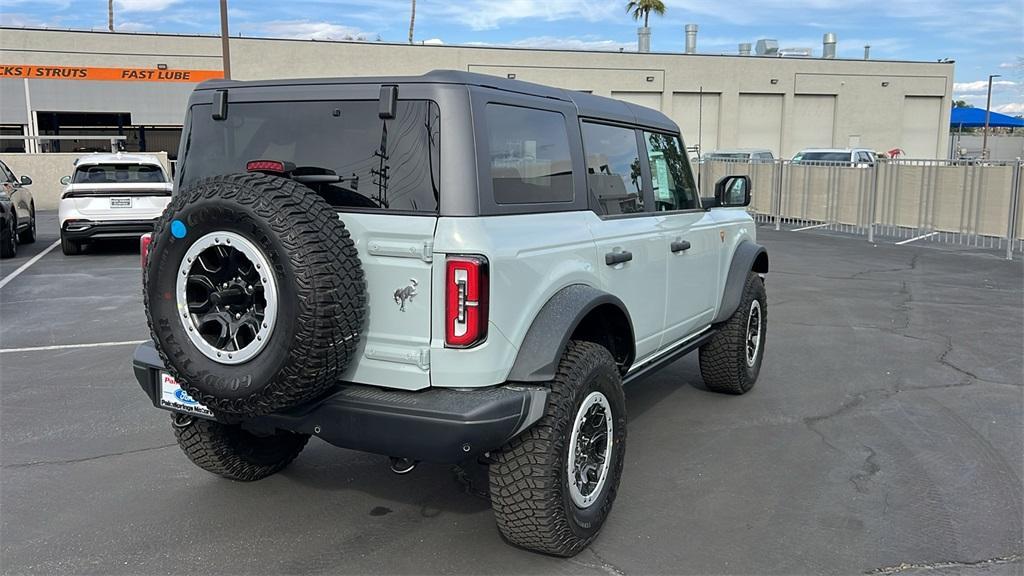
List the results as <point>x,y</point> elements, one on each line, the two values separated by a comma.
<point>530,161</point>
<point>118,174</point>
<point>380,164</point>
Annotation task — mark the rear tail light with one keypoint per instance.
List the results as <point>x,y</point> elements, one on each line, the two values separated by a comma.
<point>466,291</point>
<point>144,241</point>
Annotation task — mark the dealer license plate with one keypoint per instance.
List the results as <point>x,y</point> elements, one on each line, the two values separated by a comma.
<point>120,202</point>
<point>172,397</point>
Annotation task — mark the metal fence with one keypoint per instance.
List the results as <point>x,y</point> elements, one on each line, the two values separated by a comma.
<point>900,200</point>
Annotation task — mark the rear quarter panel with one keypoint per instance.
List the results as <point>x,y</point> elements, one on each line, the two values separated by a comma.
<point>531,256</point>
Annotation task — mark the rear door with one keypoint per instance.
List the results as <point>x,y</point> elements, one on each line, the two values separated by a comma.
<point>689,239</point>
<point>381,174</point>
<point>629,234</point>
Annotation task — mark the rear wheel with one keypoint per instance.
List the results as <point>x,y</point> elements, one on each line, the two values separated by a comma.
<point>231,452</point>
<point>553,486</point>
<point>70,247</point>
<point>8,241</point>
<point>29,236</point>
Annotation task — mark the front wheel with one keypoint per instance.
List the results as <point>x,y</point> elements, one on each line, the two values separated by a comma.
<point>731,361</point>
<point>553,486</point>
<point>234,453</point>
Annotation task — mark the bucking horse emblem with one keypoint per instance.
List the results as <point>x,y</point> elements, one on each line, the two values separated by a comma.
<point>406,294</point>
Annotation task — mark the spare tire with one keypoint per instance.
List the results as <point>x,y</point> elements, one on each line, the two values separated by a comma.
<point>254,293</point>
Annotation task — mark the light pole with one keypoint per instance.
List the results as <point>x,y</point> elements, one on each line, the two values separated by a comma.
<point>225,50</point>
<point>988,112</point>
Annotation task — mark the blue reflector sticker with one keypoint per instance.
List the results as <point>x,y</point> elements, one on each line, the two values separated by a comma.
<point>178,229</point>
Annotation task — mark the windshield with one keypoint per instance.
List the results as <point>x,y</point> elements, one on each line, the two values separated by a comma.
<point>119,173</point>
<point>823,157</point>
<point>368,162</point>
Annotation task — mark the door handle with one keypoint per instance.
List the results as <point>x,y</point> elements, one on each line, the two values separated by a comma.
<point>613,258</point>
<point>680,245</point>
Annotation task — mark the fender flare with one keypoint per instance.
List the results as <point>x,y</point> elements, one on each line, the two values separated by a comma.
<point>748,256</point>
<point>548,335</point>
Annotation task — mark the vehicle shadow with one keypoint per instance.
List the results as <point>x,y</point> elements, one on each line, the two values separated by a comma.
<point>462,488</point>
<point>112,246</point>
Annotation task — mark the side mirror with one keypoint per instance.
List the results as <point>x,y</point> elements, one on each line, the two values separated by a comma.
<point>733,192</point>
<point>65,180</point>
<point>25,181</point>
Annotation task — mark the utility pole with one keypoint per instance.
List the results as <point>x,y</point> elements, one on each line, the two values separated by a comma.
<point>412,20</point>
<point>225,50</point>
<point>110,15</point>
<point>988,113</point>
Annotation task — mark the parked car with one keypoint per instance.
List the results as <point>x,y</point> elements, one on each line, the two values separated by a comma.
<point>17,212</point>
<point>111,196</point>
<point>437,268</point>
<point>852,156</point>
<point>741,154</point>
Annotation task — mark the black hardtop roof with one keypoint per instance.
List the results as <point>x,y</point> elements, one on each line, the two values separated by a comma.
<point>587,105</point>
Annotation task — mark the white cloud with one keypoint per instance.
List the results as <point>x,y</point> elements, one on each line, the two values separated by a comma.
<point>564,43</point>
<point>982,86</point>
<point>1013,108</point>
<point>490,14</point>
<point>143,5</point>
<point>129,26</point>
<point>311,30</point>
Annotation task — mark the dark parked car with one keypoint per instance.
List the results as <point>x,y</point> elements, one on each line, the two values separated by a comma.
<point>17,212</point>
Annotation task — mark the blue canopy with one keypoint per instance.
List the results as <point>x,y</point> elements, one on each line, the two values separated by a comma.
<point>975,118</point>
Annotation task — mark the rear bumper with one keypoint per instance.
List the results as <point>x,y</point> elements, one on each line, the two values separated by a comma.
<point>88,229</point>
<point>436,424</point>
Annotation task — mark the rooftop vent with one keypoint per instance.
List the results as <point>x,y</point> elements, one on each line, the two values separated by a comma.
<point>828,45</point>
<point>691,38</point>
<point>745,49</point>
<point>795,52</point>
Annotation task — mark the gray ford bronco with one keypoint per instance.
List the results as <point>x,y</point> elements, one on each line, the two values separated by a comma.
<point>439,268</point>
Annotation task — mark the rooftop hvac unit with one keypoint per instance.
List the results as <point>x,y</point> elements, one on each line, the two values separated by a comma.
<point>767,47</point>
<point>795,52</point>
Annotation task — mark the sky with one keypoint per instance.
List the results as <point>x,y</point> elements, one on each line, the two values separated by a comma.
<point>983,37</point>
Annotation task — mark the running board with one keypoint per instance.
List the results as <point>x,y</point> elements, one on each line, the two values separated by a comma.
<point>669,357</point>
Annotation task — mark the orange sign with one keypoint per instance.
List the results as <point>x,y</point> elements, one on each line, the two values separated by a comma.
<point>118,74</point>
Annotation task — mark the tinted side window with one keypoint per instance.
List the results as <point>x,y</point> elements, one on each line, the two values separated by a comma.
<point>613,168</point>
<point>530,161</point>
<point>674,188</point>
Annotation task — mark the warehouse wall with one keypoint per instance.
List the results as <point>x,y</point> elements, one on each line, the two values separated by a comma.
<point>876,104</point>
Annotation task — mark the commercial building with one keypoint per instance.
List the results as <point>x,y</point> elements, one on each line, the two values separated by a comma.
<point>55,82</point>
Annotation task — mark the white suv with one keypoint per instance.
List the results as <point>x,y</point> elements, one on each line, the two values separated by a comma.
<point>438,268</point>
<point>860,157</point>
<point>111,196</point>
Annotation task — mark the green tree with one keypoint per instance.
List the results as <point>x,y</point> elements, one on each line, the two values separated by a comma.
<point>961,104</point>
<point>643,8</point>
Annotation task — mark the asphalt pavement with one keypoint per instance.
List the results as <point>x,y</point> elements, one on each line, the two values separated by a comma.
<point>885,435</point>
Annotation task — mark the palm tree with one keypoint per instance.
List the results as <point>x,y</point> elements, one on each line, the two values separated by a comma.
<point>412,20</point>
<point>644,8</point>
<point>110,15</point>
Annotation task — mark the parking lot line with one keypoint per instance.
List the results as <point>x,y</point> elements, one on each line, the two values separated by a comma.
<point>916,238</point>
<point>24,266</point>
<point>70,346</point>
<point>810,227</point>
